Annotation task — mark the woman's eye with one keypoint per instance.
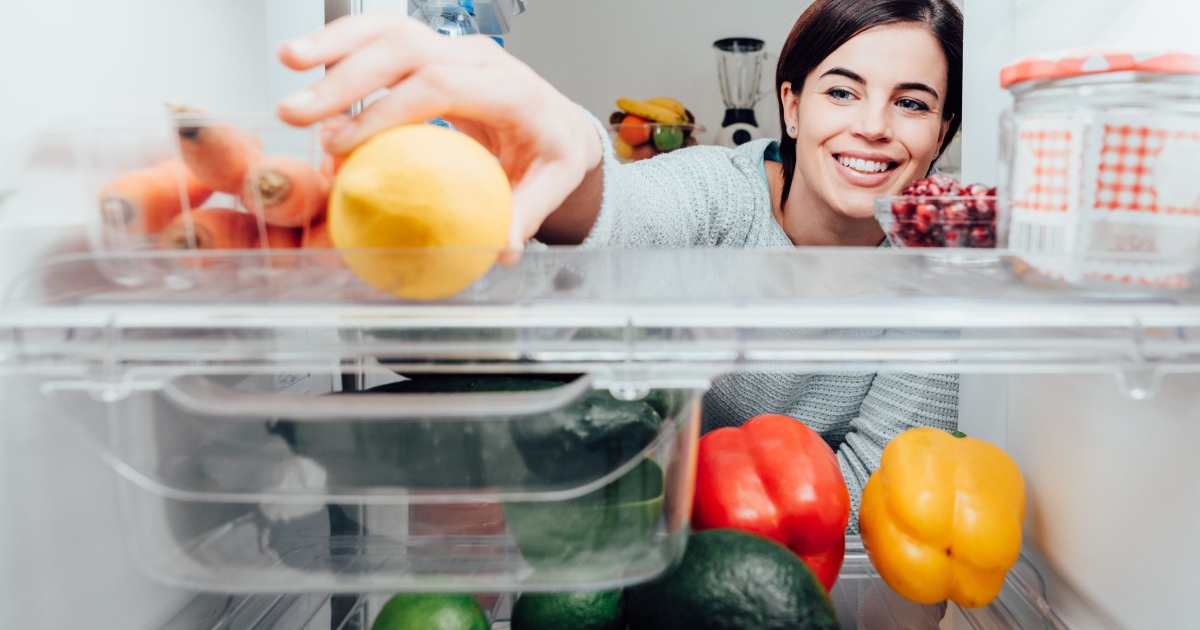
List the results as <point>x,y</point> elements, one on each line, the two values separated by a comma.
<point>912,104</point>
<point>840,94</point>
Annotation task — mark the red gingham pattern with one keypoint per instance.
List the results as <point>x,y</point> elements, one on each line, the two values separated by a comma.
<point>1128,157</point>
<point>1052,156</point>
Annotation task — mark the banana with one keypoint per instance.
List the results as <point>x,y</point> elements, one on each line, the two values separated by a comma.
<point>649,111</point>
<point>669,103</point>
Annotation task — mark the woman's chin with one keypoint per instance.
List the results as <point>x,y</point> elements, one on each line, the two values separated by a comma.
<point>859,206</point>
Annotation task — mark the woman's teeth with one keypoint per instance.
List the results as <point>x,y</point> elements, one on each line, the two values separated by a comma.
<point>863,166</point>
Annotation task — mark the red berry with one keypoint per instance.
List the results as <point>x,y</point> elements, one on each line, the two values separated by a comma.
<point>978,190</point>
<point>941,180</point>
<point>982,237</point>
<point>957,237</point>
<point>903,208</point>
<point>957,213</point>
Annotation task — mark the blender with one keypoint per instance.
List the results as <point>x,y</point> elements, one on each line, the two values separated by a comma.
<point>740,63</point>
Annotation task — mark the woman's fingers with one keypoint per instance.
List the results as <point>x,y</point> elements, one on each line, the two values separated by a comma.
<point>342,37</point>
<point>379,64</point>
<point>540,192</point>
<point>436,89</point>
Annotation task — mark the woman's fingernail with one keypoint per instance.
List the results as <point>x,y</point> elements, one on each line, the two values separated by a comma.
<point>299,99</point>
<point>300,46</point>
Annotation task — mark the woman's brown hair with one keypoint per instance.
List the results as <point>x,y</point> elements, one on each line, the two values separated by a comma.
<point>828,24</point>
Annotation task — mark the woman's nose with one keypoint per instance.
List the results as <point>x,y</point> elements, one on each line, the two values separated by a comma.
<point>873,124</point>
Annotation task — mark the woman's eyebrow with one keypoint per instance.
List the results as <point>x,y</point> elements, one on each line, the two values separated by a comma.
<point>854,76</point>
<point>849,74</point>
<point>917,86</point>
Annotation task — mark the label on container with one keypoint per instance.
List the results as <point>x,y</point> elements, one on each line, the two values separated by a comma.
<point>1108,195</point>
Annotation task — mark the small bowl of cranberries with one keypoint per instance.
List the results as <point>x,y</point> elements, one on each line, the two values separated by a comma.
<point>939,212</point>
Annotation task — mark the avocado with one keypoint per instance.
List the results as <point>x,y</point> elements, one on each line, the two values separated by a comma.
<point>593,610</point>
<point>733,580</point>
<point>580,442</point>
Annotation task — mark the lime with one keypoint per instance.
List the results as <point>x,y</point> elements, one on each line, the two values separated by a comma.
<point>431,611</point>
<point>668,138</point>
<point>597,610</point>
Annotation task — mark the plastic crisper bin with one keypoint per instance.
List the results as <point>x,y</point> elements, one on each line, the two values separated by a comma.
<point>439,482</point>
<point>133,175</point>
<point>862,600</point>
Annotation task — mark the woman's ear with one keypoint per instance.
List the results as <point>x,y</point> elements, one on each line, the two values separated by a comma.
<point>791,117</point>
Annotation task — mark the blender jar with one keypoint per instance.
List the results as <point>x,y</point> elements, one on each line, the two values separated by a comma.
<point>1098,171</point>
<point>740,62</point>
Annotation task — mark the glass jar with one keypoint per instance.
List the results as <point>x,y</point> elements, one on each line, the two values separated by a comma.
<point>1100,168</point>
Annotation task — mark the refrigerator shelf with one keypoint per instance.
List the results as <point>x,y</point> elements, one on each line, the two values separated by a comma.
<point>637,318</point>
<point>860,596</point>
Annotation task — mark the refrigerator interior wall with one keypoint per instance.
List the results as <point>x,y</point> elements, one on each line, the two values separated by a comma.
<point>1112,500</point>
<point>64,559</point>
<point>75,57</point>
<point>1103,474</point>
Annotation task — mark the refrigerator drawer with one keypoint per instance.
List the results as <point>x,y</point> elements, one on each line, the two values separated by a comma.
<point>862,600</point>
<point>438,482</point>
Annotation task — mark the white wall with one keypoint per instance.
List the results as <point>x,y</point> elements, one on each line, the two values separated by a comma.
<point>81,57</point>
<point>595,52</point>
<point>65,562</point>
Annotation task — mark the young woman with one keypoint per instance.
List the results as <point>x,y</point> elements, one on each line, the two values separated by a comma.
<point>870,94</point>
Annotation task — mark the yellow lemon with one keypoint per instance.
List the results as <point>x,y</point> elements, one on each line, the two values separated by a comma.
<point>420,211</point>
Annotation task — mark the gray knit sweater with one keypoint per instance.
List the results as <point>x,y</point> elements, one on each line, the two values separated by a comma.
<point>717,197</point>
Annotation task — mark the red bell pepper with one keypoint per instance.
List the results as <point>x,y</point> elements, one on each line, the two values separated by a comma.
<point>775,477</point>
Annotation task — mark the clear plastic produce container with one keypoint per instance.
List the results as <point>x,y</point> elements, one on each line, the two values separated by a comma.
<point>1100,149</point>
<point>274,482</point>
<point>140,177</point>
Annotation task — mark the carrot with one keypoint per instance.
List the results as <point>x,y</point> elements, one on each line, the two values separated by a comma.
<point>331,165</point>
<point>285,191</point>
<point>279,238</point>
<point>210,228</point>
<point>146,200</point>
<point>317,237</point>
<point>219,155</point>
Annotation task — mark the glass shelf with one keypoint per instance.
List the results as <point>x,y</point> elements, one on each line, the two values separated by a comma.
<point>643,317</point>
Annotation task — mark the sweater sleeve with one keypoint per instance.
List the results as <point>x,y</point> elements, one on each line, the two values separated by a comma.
<point>895,403</point>
<point>698,196</point>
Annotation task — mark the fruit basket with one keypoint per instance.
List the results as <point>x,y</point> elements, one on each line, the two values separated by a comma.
<point>644,129</point>
<point>651,138</point>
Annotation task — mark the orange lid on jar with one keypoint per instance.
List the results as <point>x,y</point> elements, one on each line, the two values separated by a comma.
<point>1083,62</point>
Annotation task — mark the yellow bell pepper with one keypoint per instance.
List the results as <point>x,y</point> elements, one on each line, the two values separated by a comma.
<point>941,517</point>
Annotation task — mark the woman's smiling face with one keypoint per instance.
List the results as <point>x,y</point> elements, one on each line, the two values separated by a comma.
<point>868,119</point>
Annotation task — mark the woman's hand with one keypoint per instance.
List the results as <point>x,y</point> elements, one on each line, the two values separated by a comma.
<point>544,143</point>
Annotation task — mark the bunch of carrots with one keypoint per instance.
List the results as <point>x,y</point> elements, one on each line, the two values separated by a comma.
<point>281,200</point>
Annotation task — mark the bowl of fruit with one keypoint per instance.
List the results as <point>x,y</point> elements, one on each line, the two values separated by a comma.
<point>940,212</point>
<point>643,129</point>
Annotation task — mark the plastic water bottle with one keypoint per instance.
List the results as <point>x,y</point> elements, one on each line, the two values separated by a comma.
<point>453,18</point>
